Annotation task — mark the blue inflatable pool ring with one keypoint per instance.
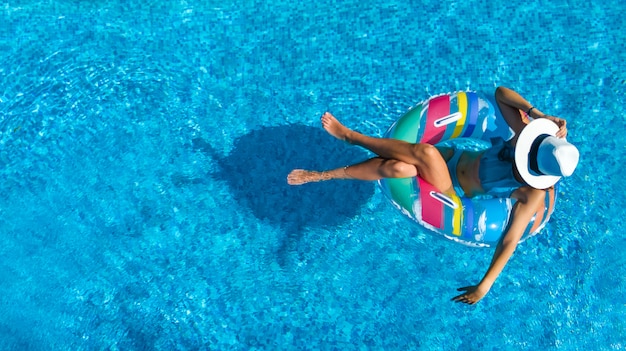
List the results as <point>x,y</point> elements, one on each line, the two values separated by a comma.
<point>452,119</point>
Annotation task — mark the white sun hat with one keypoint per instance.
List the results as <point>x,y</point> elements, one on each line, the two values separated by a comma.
<point>541,158</point>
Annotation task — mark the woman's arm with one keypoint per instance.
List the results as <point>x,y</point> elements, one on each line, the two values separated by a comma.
<point>510,103</point>
<point>523,211</point>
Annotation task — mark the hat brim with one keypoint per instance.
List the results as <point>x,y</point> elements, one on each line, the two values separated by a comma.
<point>525,141</point>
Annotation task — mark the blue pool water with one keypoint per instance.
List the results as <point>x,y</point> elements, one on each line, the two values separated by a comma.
<point>145,147</point>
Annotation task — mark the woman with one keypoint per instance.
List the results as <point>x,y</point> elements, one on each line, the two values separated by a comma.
<point>522,168</point>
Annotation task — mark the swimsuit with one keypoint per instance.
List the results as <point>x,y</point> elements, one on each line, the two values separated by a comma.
<point>495,171</point>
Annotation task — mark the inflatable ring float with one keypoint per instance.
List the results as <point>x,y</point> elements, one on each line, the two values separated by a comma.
<point>478,221</point>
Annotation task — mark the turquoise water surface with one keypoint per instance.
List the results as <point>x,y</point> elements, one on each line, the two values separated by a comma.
<point>145,147</point>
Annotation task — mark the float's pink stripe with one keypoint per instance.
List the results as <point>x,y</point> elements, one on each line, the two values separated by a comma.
<point>437,107</point>
<point>432,210</point>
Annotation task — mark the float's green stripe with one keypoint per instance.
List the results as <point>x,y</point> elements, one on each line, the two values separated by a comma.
<point>408,126</point>
<point>401,190</point>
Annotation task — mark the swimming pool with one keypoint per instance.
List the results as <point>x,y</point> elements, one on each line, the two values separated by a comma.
<point>145,149</point>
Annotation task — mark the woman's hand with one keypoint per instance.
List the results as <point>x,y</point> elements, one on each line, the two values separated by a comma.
<point>471,295</point>
<point>562,133</point>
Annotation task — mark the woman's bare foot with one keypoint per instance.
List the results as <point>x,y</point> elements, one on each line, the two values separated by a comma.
<point>334,127</point>
<point>301,176</point>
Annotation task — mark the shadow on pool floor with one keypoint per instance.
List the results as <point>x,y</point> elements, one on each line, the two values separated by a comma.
<point>256,171</point>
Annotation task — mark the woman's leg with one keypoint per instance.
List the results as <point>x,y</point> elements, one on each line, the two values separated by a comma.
<point>385,148</point>
<point>372,169</point>
<point>426,158</point>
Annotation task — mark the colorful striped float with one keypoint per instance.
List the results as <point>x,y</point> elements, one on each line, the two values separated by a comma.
<point>478,221</point>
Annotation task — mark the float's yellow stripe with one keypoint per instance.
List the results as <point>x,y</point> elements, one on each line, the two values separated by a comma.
<point>457,216</point>
<point>461,99</point>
